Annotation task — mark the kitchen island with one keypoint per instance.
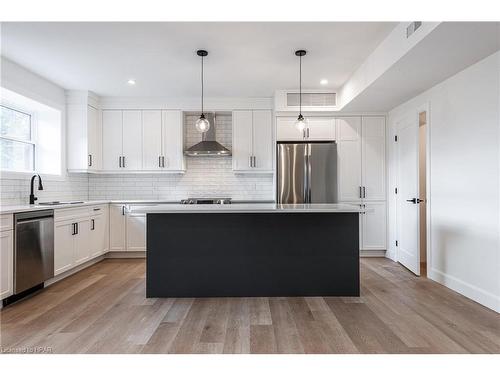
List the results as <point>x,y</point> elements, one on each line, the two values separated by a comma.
<point>248,250</point>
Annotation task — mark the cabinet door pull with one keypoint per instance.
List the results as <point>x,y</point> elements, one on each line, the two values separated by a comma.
<point>76,224</point>
<point>250,161</point>
<point>123,161</point>
<point>119,161</point>
<point>163,161</point>
<point>123,210</point>
<point>93,224</point>
<point>90,160</point>
<point>255,161</point>
<point>307,132</point>
<point>360,192</point>
<point>73,229</point>
<point>159,161</point>
<point>364,192</point>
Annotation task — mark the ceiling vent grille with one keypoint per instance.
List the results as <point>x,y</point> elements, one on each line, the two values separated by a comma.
<point>312,99</point>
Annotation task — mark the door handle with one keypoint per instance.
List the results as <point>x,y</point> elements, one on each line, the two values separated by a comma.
<point>123,210</point>
<point>360,195</point>
<point>414,200</point>
<point>120,161</point>
<point>254,161</point>
<point>123,161</point>
<point>364,192</point>
<point>74,229</point>
<point>250,161</point>
<point>90,160</point>
<point>159,161</point>
<point>92,221</point>
<point>163,161</point>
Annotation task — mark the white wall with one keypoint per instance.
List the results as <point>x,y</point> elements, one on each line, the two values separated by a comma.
<point>15,189</point>
<point>464,186</point>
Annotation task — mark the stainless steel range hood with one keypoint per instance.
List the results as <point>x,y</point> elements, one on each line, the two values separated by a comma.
<point>208,145</point>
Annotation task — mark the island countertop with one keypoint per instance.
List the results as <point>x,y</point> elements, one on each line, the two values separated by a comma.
<point>247,208</point>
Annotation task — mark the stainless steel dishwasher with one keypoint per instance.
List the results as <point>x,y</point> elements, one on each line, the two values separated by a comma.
<point>33,249</point>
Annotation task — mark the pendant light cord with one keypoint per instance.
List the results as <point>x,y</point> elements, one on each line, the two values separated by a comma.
<point>300,85</point>
<point>202,85</point>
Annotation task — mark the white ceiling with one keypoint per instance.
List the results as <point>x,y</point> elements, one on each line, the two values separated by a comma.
<point>245,59</point>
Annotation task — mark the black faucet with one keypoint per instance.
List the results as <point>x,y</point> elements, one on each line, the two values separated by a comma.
<point>40,187</point>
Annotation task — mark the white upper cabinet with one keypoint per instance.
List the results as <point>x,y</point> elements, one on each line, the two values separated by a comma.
<point>112,140</point>
<point>318,129</point>
<point>286,130</point>
<point>262,137</point>
<point>173,141</point>
<point>132,141</point>
<point>84,148</point>
<point>151,140</point>
<point>361,158</point>
<point>242,140</point>
<point>252,141</point>
<point>349,158</point>
<point>373,158</point>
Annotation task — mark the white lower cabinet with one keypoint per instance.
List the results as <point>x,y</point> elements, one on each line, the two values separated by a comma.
<point>136,232</point>
<point>117,227</point>
<point>6,263</point>
<point>98,233</point>
<point>79,235</point>
<point>374,226</point>
<point>127,231</point>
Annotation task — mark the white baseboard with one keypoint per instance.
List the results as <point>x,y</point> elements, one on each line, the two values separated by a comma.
<point>126,254</point>
<point>476,294</point>
<point>372,253</point>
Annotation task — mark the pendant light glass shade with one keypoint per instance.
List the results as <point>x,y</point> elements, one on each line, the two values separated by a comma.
<point>301,122</point>
<point>202,124</point>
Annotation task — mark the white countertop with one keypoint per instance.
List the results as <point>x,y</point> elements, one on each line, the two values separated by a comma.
<point>247,208</point>
<point>11,209</point>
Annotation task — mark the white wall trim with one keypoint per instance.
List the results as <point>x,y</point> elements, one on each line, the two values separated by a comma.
<point>125,254</point>
<point>468,290</point>
<point>74,270</point>
<point>372,253</point>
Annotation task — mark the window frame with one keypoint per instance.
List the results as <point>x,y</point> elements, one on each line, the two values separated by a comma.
<point>32,141</point>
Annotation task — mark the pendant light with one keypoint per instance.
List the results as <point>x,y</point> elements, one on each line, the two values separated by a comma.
<point>301,122</point>
<point>202,124</point>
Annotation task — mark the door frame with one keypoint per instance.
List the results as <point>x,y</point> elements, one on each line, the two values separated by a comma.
<point>415,112</point>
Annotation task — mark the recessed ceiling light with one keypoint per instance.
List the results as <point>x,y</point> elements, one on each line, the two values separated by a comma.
<point>131,82</point>
<point>324,82</point>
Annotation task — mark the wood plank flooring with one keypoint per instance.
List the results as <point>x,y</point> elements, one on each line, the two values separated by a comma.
<point>102,309</point>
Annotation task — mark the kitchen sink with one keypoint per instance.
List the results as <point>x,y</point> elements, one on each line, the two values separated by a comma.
<point>55,203</point>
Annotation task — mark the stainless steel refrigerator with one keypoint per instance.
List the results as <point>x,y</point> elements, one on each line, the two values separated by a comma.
<point>307,172</point>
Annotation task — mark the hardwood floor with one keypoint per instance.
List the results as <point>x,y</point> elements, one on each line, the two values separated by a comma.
<point>103,310</point>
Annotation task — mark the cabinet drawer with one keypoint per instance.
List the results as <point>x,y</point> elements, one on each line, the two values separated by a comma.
<point>97,210</point>
<point>72,213</point>
<point>6,222</point>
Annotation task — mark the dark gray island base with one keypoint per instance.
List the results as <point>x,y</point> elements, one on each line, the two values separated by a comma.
<point>231,254</point>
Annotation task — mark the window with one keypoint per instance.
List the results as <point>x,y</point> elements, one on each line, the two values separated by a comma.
<point>17,146</point>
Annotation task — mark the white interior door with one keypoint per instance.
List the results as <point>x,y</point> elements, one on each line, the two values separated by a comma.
<point>408,209</point>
